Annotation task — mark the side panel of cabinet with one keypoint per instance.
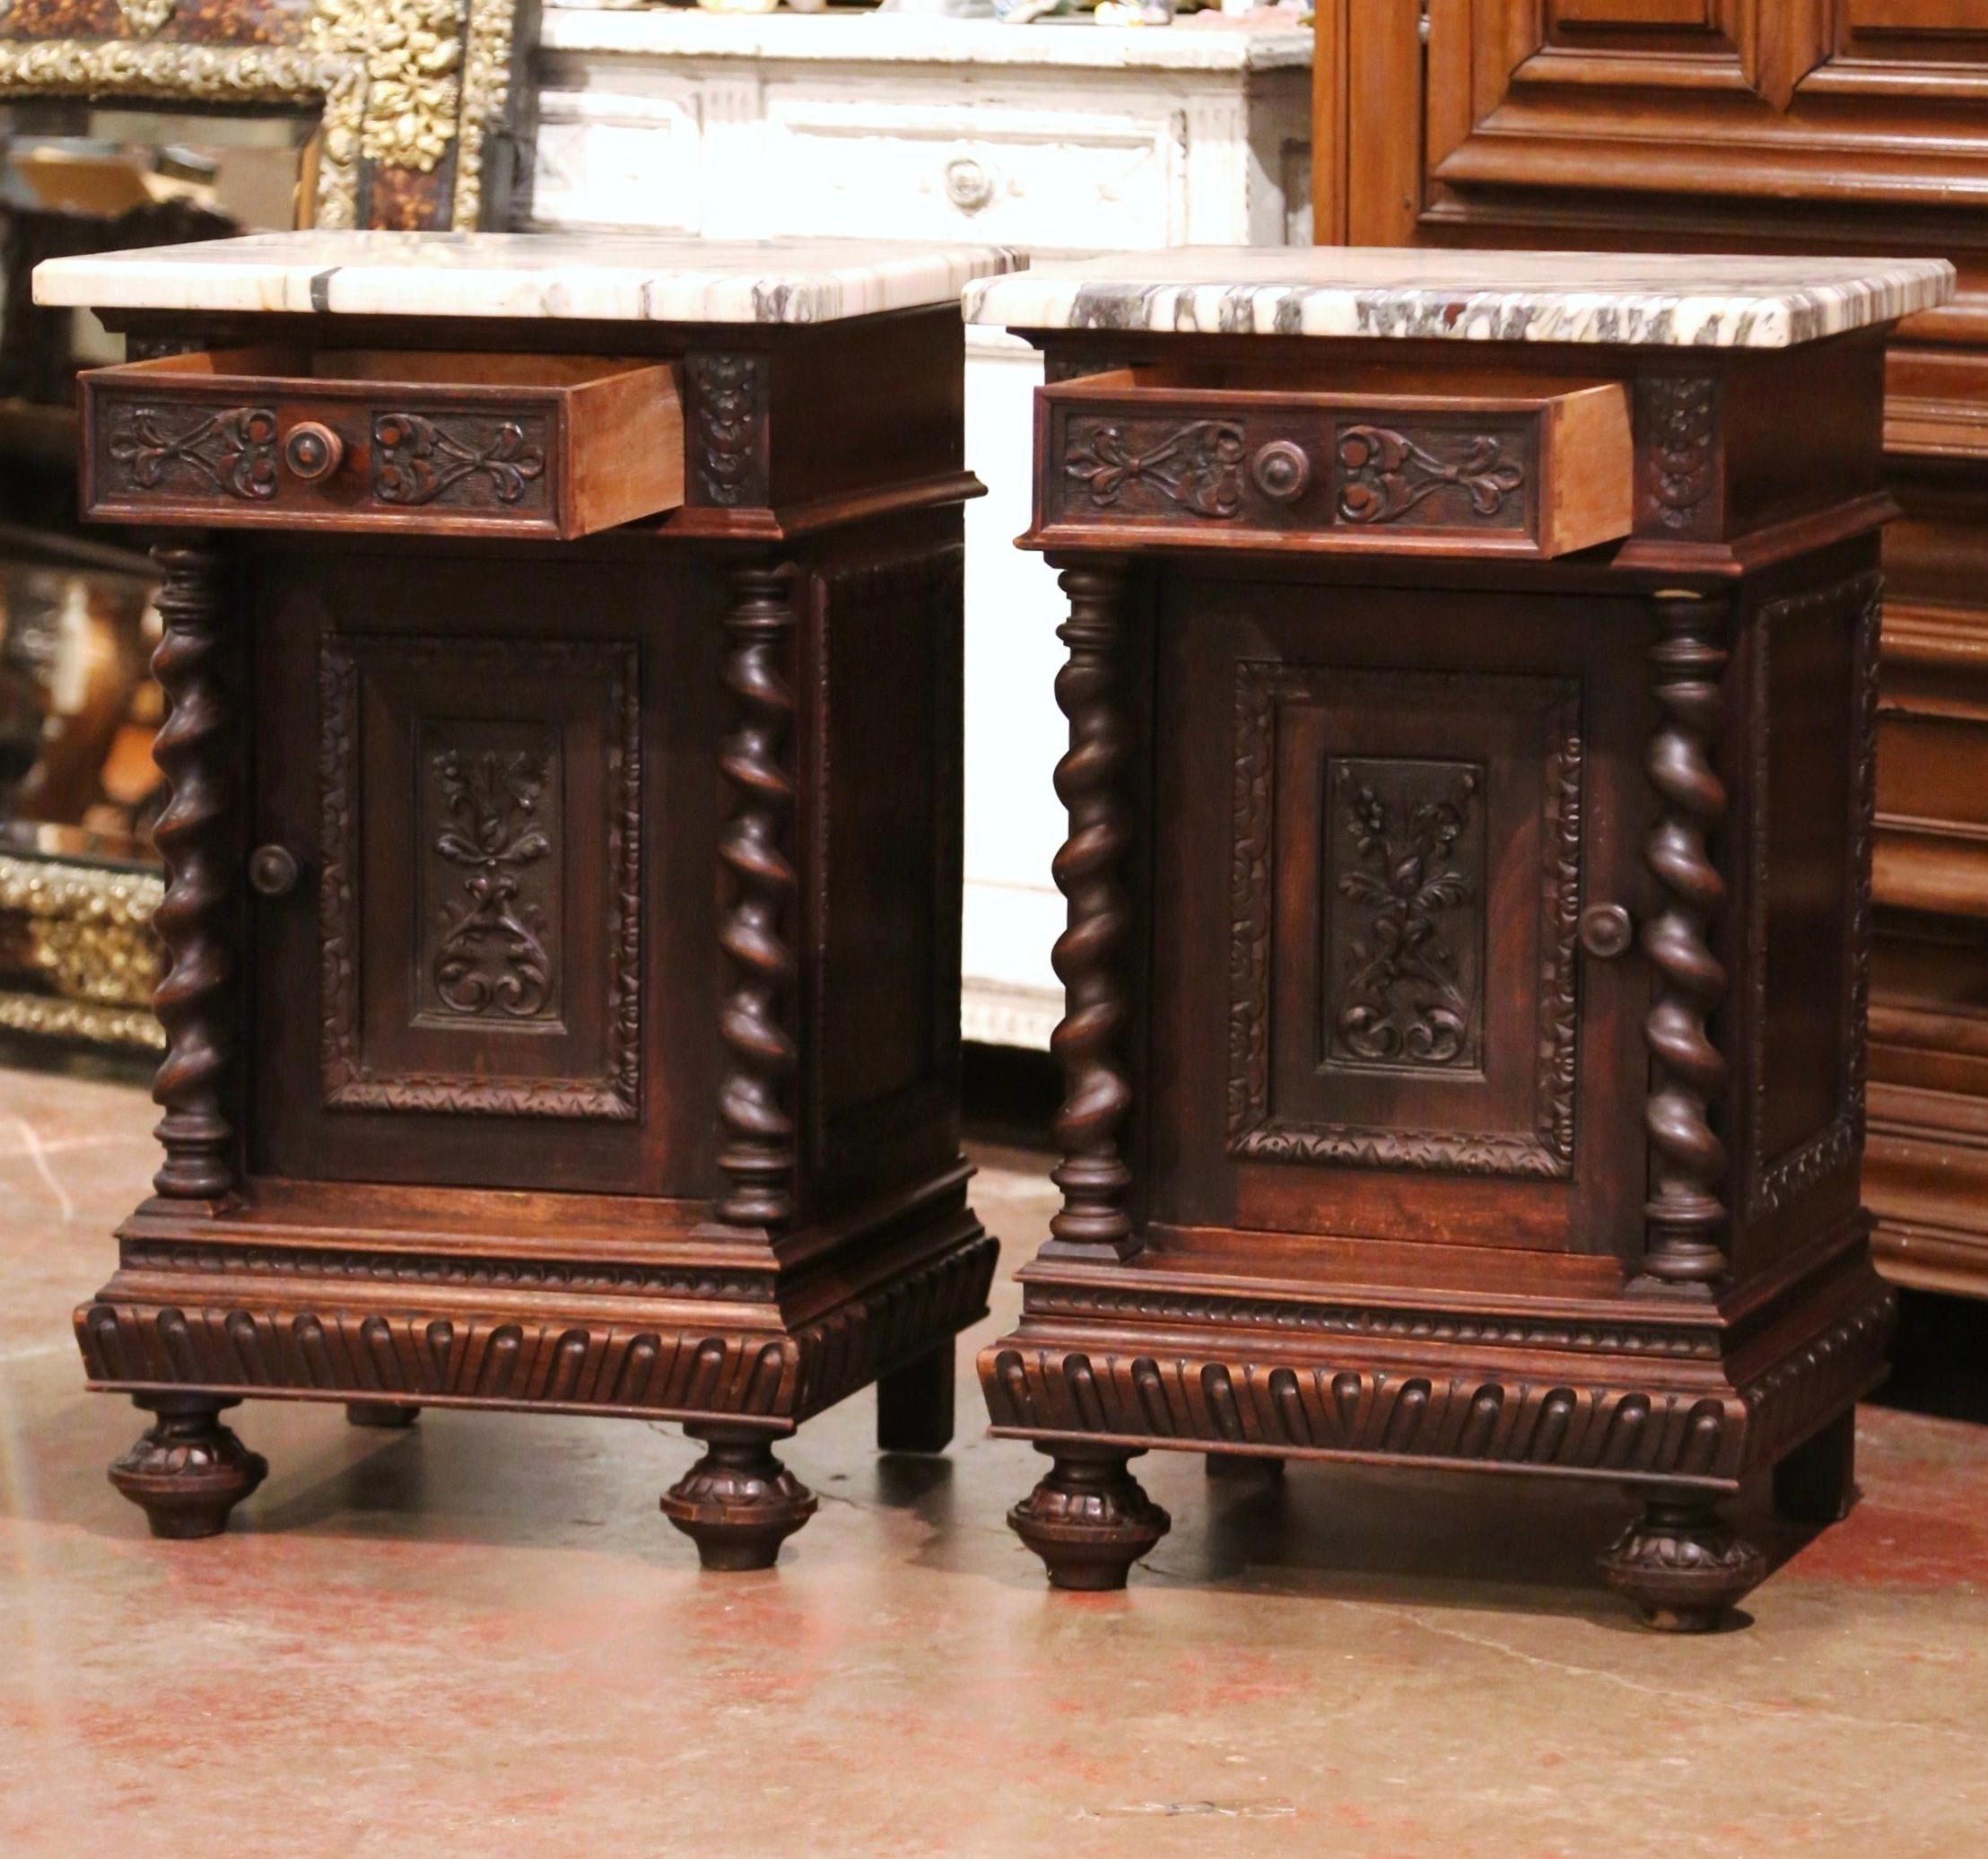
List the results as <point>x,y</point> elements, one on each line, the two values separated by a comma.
<point>497,778</point>
<point>1804,824</point>
<point>884,831</point>
<point>1382,814</point>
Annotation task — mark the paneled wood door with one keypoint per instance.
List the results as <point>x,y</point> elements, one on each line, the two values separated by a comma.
<point>1761,119</point>
<point>459,858</point>
<point>1416,1046</point>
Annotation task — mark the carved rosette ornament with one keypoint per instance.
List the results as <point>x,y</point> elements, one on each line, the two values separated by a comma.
<point>758,1157</point>
<point>1089,956</point>
<point>1685,1214</point>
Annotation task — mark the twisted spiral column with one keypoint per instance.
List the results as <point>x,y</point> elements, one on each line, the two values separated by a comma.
<point>758,1158</point>
<point>196,837</point>
<point>1089,956</point>
<point>1685,1213</point>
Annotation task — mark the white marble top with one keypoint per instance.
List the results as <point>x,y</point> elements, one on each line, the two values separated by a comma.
<point>609,277</point>
<point>887,39</point>
<point>1466,296</point>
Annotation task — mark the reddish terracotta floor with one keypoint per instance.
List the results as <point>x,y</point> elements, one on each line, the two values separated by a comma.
<point>481,1636</point>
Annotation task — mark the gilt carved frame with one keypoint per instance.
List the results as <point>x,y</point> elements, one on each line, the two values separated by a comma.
<point>409,93</point>
<point>412,98</point>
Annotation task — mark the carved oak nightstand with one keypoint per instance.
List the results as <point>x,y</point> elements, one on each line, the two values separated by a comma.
<point>1471,689</point>
<point>562,641</point>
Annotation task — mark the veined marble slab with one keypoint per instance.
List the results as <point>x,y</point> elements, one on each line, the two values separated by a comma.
<point>605,277</point>
<point>900,39</point>
<point>1464,296</point>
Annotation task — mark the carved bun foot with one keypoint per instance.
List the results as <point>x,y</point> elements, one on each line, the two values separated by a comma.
<point>1245,1468</point>
<point>388,1415</point>
<point>1088,1519</point>
<point>186,1470</point>
<point>1681,1567</point>
<point>738,1504</point>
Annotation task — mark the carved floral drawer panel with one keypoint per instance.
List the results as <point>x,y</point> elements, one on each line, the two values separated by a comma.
<point>554,446</point>
<point>1537,475</point>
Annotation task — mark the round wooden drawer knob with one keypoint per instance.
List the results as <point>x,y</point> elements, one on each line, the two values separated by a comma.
<point>273,870</point>
<point>312,451</point>
<point>1281,470</point>
<point>1606,931</point>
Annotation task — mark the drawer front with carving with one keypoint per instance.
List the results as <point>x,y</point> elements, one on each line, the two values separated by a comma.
<point>1539,475</point>
<point>542,446</point>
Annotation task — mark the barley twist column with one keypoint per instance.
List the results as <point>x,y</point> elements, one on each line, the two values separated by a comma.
<point>758,1158</point>
<point>198,840</point>
<point>1685,1213</point>
<point>1090,955</point>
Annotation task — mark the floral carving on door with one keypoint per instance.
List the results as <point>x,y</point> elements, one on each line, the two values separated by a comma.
<point>490,954</point>
<point>1405,937</point>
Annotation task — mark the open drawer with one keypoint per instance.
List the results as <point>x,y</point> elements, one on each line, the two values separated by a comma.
<point>558,446</point>
<point>1176,455</point>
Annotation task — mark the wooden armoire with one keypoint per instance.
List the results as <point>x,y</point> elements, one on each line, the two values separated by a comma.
<point>1798,125</point>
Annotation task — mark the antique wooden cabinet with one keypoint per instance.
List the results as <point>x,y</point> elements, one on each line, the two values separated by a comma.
<point>1471,696</point>
<point>1793,126</point>
<point>562,646</point>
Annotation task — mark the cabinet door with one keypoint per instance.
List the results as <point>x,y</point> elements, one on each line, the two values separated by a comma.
<point>1388,813</point>
<point>461,986</point>
<point>1539,110</point>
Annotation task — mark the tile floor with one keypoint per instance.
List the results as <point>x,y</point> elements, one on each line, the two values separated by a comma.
<point>480,1637</point>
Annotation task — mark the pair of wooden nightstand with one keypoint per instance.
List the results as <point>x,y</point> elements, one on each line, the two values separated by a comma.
<point>1469,687</point>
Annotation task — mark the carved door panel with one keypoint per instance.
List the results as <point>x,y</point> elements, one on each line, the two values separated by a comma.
<point>458,985</point>
<point>1416,817</point>
<point>1536,107</point>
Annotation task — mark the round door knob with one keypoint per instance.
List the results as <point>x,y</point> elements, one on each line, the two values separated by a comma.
<point>968,185</point>
<point>1281,470</point>
<point>312,451</point>
<point>273,870</point>
<point>1606,931</point>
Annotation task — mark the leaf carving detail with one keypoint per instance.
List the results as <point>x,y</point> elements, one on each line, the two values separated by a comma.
<point>1387,475</point>
<point>1198,467</point>
<point>1400,1000</point>
<point>491,953</point>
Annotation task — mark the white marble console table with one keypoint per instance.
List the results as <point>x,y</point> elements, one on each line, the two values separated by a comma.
<point>1058,138</point>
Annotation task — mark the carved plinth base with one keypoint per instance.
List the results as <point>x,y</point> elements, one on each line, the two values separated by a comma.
<point>738,1504</point>
<point>186,1471</point>
<point>1680,1566</point>
<point>389,1415</point>
<point>1088,1519</point>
